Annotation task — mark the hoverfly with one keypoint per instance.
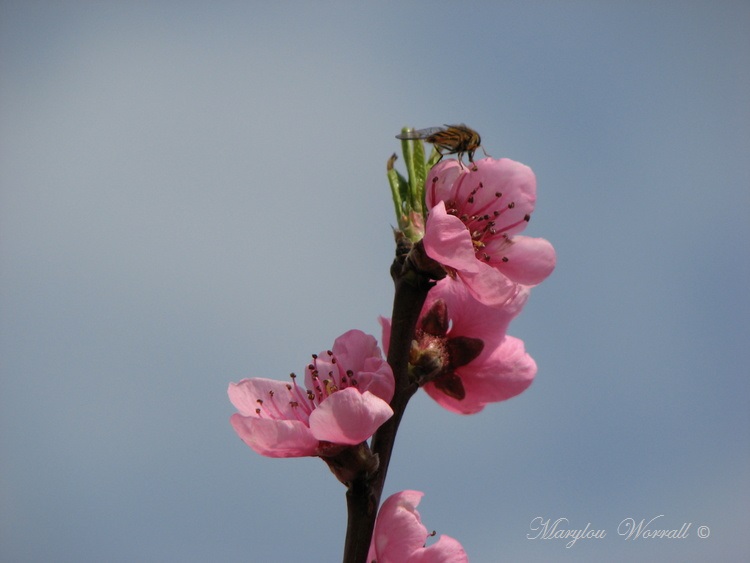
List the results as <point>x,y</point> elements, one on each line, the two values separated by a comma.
<point>451,139</point>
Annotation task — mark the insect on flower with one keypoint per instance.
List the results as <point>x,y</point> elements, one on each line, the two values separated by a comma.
<point>451,139</point>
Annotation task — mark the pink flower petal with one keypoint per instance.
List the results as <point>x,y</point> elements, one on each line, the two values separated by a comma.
<point>507,372</point>
<point>515,182</point>
<point>275,438</point>
<point>446,240</point>
<point>276,397</point>
<point>529,260</point>
<point>349,417</point>
<point>355,347</point>
<point>470,317</point>
<point>444,188</point>
<point>445,550</point>
<point>378,380</point>
<point>360,352</point>
<point>399,535</point>
<point>488,285</point>
<point>398,529</point>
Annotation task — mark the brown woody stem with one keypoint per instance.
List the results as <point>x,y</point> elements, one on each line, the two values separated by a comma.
<point>412,281</point>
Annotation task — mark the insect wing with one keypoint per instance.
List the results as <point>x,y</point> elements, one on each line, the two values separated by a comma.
<point>416,134</point>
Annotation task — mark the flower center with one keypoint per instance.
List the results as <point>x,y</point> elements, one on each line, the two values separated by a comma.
<point>484,221</point>
<point>435,354</point>
<point>300,403</point>
<point>328,376</point>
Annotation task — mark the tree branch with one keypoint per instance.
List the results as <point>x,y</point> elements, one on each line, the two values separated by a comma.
<point>413,275</point>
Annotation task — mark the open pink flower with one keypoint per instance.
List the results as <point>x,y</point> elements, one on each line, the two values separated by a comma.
<point>461,352</point>
<point>399,535</point>
<point>345,400</point>
<point>472,228</point>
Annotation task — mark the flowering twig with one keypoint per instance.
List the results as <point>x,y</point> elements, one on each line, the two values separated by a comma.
<point>413,276</point>
<point>462,272</point>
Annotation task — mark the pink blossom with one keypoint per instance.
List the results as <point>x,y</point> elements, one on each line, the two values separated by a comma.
<point>472,228</point>
<point>399,535</point>
<point>345,400</point>
<point>461,353</point>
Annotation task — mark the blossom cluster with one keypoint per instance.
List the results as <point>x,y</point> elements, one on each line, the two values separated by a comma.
<point>461,353</point>
<point>469,226</point>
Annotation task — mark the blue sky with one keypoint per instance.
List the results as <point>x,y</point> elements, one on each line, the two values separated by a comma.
<point>193,194</point>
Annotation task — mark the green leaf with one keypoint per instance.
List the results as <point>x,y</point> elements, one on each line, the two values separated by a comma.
<point>420,176</point>
<point>400,193</point>
<point>414,160</point>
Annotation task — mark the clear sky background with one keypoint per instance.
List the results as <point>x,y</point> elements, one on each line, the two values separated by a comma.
<point>193,193</point>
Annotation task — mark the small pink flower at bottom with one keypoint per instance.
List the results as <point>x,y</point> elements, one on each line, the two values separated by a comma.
<point>461,354</point>
<point>346,398</point>
<point>475,215</point>
<point>399,535</point>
